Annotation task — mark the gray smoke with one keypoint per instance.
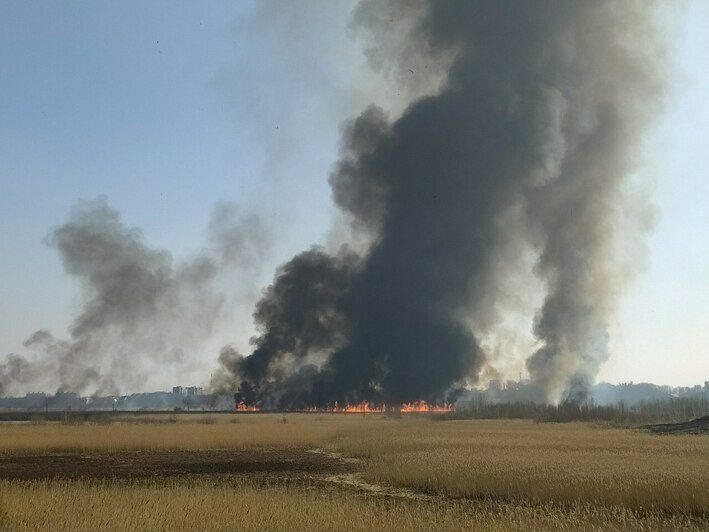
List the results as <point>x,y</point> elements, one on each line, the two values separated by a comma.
<point>142,311</point>
<point>525,125</point>
<point>598,105</point>
<point>539,114</point>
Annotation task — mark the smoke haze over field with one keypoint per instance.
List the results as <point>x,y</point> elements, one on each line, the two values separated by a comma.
<point>484,211</point>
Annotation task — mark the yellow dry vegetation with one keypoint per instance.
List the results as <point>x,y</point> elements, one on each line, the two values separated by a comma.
<point>538,463</point>
<point>500,474</point>
<point>64,506</point>
<point>186,432</point>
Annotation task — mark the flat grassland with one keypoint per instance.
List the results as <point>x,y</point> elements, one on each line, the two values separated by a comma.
<point>347,472</point>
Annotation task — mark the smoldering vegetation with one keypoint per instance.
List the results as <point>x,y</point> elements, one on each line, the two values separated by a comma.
<point>141,309</point>
<point>540,115</point>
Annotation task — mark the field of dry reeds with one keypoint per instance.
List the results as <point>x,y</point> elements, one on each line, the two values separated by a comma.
<point>213,505</point>
<point>539,463</point>
<point>170,432</point>
<point>337,472</point>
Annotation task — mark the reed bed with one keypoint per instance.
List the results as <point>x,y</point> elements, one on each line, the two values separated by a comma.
<point>501,474</point>
<point>184,433</point>
<point>539,463</point>
<point>64,506</point>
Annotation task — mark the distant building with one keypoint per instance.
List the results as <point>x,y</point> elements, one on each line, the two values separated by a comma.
<point>494,385</point>
<point>67,400</point>
<point>69,397</point>
<point>189,391</point>
<point>35,401</point>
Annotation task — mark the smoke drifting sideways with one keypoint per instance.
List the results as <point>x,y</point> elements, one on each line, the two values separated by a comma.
<point>141,311</point>
<point>541,114</point>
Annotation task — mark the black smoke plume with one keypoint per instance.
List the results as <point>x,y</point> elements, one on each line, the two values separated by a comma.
<point>541,108</point>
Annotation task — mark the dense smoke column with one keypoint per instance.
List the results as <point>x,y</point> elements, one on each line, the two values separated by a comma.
<point>443,170</point>
<point>539,107</point>
<point>605,95</point>
<point>301,315</point>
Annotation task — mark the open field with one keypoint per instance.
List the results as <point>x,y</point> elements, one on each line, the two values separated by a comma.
<point>242,506</point>
<point>347,473</point>
<point>172,432</point>
<point>561,463</point>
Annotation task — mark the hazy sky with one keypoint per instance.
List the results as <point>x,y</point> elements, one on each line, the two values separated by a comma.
<point>168,107</point>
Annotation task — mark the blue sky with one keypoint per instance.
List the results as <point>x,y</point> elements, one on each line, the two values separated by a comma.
<point>662,331</point>
<point>166,108</point>
<point>104,99</point>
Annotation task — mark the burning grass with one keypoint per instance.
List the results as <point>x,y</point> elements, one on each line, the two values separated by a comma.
<point>416,407</point>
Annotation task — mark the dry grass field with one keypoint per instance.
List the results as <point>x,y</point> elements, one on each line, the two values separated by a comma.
<point>171,432</point>
<point>257,472</point>
<point>63,506</point>
<point>522,460</point>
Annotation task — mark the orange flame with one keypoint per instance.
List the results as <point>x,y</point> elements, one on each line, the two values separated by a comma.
<point>367,408</point>
<point>243,407</point>
<point>423,406</point>
<point>358,408</point>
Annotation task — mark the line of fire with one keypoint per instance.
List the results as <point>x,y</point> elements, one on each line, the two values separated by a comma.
<point>357,408</point>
